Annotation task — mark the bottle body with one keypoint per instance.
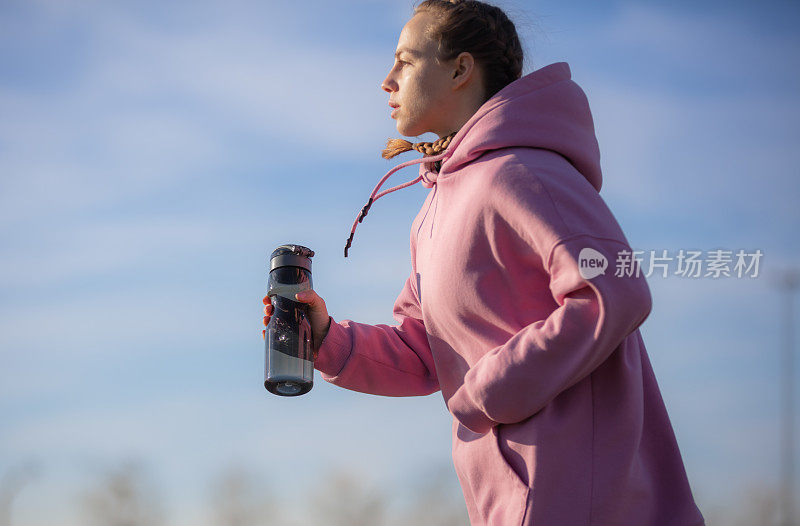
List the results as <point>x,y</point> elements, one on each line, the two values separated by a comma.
<point>289,369</point>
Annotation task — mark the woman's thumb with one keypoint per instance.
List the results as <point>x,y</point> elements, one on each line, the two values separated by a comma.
<point>306,296</point>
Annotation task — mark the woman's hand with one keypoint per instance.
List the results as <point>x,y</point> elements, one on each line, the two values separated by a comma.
<point>317,313</point>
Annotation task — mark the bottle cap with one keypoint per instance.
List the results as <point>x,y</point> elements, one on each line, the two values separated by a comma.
<point>291,256</point>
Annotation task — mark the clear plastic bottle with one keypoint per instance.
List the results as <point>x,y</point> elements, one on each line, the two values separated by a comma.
<point>289,369</point>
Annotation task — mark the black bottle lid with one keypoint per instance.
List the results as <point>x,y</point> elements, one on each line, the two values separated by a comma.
<point>291,256</point>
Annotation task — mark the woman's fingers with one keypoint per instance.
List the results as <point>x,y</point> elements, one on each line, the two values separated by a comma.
<point>267,313</point>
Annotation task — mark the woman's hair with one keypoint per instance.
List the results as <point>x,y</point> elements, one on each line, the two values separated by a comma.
<point>484,31</point>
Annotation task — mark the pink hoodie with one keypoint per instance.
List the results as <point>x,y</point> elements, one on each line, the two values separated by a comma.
<point>558,419</point>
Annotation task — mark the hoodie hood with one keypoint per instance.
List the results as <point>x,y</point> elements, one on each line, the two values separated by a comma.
<point>543,109</point>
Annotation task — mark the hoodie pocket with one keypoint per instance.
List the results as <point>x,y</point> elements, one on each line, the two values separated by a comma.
<point>513,463</point>
<point>496,493</point>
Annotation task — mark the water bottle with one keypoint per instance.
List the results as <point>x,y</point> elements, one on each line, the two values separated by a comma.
<point>289,369</point>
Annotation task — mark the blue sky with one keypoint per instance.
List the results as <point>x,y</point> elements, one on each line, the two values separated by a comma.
<point>152,155</point>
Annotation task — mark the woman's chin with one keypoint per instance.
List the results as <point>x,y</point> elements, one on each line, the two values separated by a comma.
<point>408,131</point>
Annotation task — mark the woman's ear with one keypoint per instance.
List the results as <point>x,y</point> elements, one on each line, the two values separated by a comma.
<point>464,62</point>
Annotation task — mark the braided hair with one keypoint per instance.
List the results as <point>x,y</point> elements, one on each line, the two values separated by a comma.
<point>484,31</point>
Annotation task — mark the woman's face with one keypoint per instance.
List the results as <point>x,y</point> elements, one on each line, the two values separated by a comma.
<point>418,84</point>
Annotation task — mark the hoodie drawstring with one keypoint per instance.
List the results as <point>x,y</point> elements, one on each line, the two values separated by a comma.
<point>373,197</point>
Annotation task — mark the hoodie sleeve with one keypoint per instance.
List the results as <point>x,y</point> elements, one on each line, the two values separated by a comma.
<point>517,379</point>
<point>389,360</point>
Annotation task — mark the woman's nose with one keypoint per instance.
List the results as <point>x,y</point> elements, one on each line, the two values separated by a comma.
<point>388,85</point>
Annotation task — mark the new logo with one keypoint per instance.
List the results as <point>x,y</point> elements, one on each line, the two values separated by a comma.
<point>591,263</point>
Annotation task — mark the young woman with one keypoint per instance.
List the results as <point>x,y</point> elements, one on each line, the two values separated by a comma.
<point>513,308</point>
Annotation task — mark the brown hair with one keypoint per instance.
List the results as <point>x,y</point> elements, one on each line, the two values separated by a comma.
<point>484,31</point>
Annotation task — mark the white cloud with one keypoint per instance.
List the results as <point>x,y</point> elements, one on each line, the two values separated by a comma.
<point>661,151</point>
<point>153,106</point>
<point>59,254</point>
